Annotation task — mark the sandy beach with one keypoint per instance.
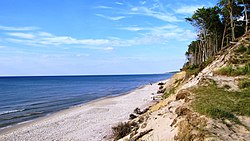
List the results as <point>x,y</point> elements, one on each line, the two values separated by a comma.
<point>88,122</point>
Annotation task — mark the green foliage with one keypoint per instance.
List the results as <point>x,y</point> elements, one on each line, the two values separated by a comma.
<point>218,103</point>
<point>230,71</point>
<point>195,69</point>
<point>241,49</point>
<point>191,70</point>
<point>206,63</point>
<point>225,70</point>
<point>206,18</point>
<point>215,30</point>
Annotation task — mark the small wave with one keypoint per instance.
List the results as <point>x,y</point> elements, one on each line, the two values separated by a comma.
<point>11,111</point>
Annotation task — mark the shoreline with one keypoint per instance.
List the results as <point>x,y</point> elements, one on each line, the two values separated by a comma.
<point>17,125</point>
<point>116,107</point>
<point>4,129</point>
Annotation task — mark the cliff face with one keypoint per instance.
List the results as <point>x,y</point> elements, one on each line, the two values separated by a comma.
<point>213,105</point>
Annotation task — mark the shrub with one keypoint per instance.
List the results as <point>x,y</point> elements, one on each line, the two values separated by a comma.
<point>226,86</point>
<point>193,71</point>
<point>245,83</point>
<point>121,130</point>
<point>246,69</point>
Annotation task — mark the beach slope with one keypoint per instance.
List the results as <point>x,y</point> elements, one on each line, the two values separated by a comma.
<point>91,121</point>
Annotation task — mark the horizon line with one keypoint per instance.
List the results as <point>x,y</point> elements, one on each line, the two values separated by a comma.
<point>58,75</point>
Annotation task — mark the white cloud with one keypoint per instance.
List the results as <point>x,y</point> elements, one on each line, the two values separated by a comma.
<point>162,35</point>
<point>143,2</point>
<point>82,55</point>
<point>45,34</point>
<point>9,28</point>
<point>21,35</point>
<point>188,9</point>
<point>156,35</point>
<point>111,18</point>
<point>152,29</point>
<point>103,7</point>
<point>153,35</point>
<point>133,28</point>
<point>113,38</point>
<point>134,9</point>
<point>161,15</point>
<point>109,48</point>
<point>61,40</point>
<point>119,3</point>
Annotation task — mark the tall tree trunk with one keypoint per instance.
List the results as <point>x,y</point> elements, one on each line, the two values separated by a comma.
<point>216,42</point>
<point>231,19</point>
<point>245,9</point>
<point>223,36</point>
<point>195,54</point>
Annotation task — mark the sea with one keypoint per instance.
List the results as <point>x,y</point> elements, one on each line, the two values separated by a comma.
<point>25,98</point>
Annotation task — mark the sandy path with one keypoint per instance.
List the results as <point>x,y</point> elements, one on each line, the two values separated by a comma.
<point>89,122</point>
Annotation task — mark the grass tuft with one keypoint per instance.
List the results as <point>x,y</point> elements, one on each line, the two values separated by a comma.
<point>168,93</point>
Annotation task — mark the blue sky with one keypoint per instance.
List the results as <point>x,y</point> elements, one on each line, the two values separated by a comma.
<point>55,37</point>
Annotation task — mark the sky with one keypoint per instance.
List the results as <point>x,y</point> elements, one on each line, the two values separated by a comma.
<point>95,37</point>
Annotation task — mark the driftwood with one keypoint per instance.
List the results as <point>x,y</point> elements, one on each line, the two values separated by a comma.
<point>139,112</point>
<point>132,116</point>
<point>233,42</point>
<point>141,134</point>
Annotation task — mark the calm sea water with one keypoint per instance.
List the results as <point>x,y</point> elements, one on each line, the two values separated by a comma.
<point>26,98</point>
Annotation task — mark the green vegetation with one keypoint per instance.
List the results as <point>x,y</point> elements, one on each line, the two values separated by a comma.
<point>234,71</point>
<point>242,55</point>
<point>241,49</point>
<point>218,103</point>
<point>195,69</point>
<point>192,70</point>
<point>245,83</point>
<point>168,93</point>
<point>248,50</point>
<point>216,29</point>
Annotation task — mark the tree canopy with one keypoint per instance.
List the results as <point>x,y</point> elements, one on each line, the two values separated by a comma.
<point>216,27</point>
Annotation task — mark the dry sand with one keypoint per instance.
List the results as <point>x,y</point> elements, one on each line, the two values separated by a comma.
<point>88,122</point>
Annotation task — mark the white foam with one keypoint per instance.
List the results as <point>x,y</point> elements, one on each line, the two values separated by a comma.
<point>11,111</point>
